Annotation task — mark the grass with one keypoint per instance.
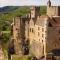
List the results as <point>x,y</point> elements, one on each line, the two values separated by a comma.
<point>5,54</point>
<point>18,57</point>
<point>6,31</point>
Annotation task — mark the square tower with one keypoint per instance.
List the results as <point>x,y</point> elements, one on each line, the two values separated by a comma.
<point>35,11</point>
<point>52,10</point>
<point>17,35</point>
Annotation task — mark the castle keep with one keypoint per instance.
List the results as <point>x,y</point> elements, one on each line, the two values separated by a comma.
<point>37,34</point>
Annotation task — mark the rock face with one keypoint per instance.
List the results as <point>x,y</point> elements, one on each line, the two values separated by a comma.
<point>1,55</point>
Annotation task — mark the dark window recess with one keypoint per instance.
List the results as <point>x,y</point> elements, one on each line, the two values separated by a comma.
<point>30,29</point>
<point>27,42</point>
<point>59,31</point>
<point>50,25</point>
<point>42,41</point>
<point>45,31</point>
<point>42,35</point>
<point>43,49</point>
<point>55,45</point>
<point>16,28</point>
<point>42,57</point>
<point>59,38</point>
<point>25,50</point>
<point>38,28</point>
<point>45,37</point>
<point>42,29</point>
<point>34,58</point>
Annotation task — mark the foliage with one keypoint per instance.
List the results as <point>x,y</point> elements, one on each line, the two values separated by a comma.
<point>6,37</point>
<point>43,10</point>
<point>14,12</point>
<point>8,8</point>
<point>6,15</point>
<point>18,57</point>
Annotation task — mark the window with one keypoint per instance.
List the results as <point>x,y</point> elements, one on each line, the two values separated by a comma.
<point>55,45</point>
<point>59,31</point>
<point>42,35</point>
<point>38,28</point>
<point>59,38</point>
<point>50,25</point>
<point>45,31</point>
<point>45,37</point>
<point>30,29</point>
<point>42,29</point>
<point>42,41</point>
<point>16,28</point>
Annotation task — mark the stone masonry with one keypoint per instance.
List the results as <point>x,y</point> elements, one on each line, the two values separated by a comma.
<point>41,31</point>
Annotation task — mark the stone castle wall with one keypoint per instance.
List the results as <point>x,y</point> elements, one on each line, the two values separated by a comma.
<point>42,38</point>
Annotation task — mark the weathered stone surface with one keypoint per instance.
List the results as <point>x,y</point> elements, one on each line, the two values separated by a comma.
<point>42,32</point>
<point>2,57</point>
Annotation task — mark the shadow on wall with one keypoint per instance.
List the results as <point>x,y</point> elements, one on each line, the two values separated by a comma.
<point>55,52</point>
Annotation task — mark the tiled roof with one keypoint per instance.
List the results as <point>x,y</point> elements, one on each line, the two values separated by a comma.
<point>55,21</point>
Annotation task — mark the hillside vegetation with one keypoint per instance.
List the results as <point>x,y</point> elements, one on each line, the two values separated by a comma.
<point>7,13</point>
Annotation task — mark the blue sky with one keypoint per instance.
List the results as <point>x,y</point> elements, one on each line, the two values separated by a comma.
<point>27,2</point>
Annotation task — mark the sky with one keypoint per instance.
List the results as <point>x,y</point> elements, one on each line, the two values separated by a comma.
<point>27,2</point>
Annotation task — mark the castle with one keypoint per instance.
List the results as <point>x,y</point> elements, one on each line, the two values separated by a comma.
<point>38,34</point>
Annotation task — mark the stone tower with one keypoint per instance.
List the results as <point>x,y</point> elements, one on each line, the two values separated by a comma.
<point>17,35</point>
<point>52,10</point>
<point>35,11</point>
